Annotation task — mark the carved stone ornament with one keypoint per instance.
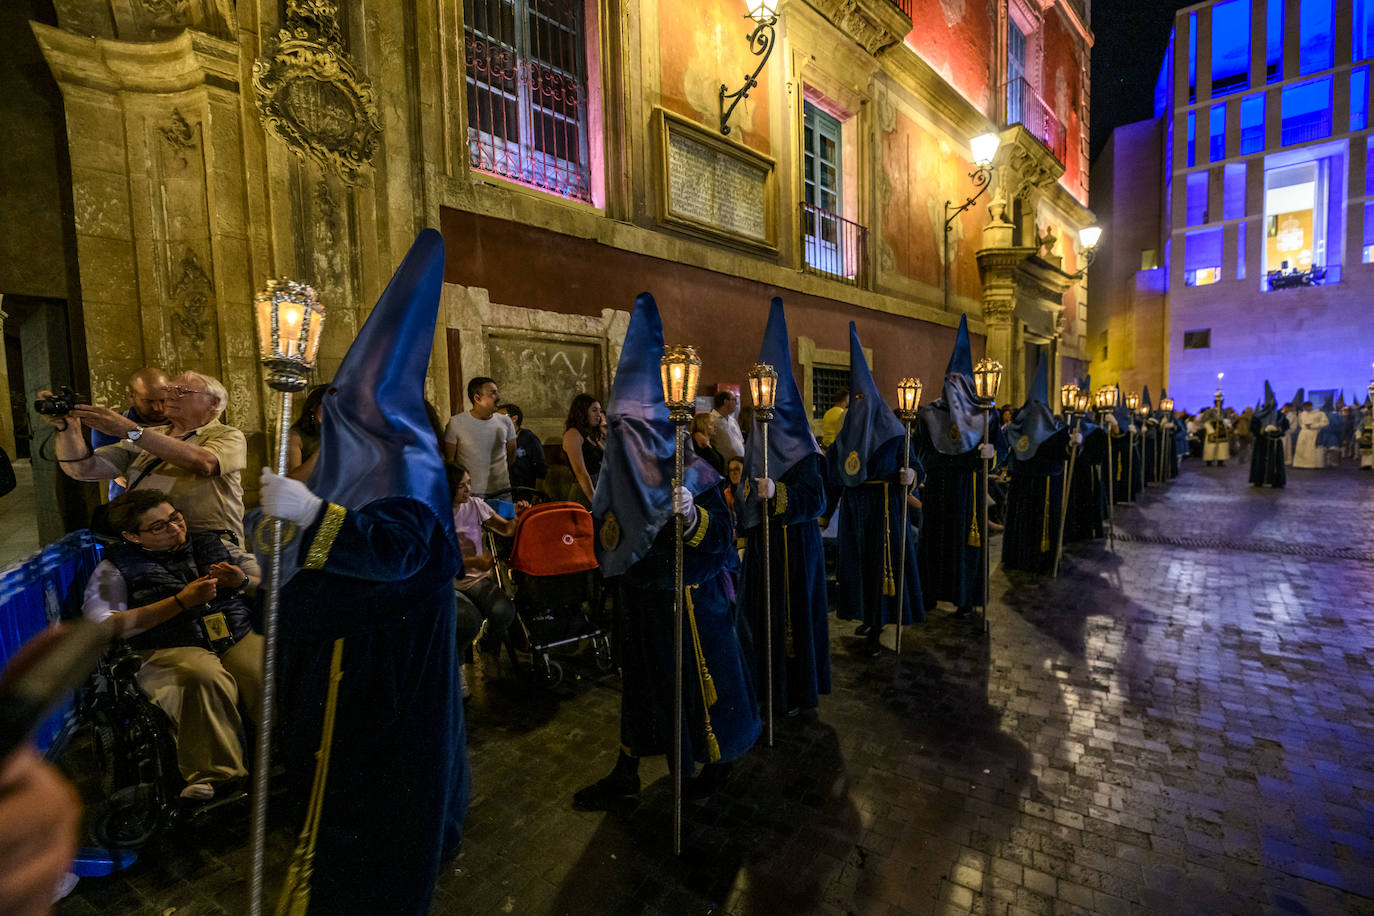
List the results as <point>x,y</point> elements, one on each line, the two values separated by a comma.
<point>311,98</point>
<point>191,293</point>
<point>874,24</point>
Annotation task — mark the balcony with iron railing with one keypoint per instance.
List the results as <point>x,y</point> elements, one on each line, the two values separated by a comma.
<point>833,246</point>
<point>1027,108</point>
<point>906,6</point>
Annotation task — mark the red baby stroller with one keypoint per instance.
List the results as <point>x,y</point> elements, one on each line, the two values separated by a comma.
<point>553,578</point>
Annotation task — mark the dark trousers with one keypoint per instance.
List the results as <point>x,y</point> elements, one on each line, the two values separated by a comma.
<point>482,600</point>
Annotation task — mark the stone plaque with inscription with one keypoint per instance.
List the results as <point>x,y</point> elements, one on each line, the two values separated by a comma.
<point>713,187</point>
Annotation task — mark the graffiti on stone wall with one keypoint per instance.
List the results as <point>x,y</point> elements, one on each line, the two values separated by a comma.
<point>543,375</point>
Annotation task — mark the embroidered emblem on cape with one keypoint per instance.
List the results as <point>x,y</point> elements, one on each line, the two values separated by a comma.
<point>746,488</point>
<point>1023,444</point>
<point>953,431</point>
<point>610,532</point>
<point>852,465</point>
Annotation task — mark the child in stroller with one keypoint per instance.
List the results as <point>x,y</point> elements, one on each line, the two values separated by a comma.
<point>481,600</point>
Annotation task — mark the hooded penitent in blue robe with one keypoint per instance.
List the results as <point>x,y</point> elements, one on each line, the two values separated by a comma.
<point>1268,425</point>
<point>801,624</point>
<point>370,595</point>
<point>1174,439</point>
<point>1330,435</point>
<point>948,433</point>
<point>1127,476</point>
<point>863,466</point>
<point>1088,492</point>
<point>1039,450</point>
<point>1149,439</point>
<point>632,513</point>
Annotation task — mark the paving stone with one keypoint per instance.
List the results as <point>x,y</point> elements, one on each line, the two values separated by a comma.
<point>1184,724</point>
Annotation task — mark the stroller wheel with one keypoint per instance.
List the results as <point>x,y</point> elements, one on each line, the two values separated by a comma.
<point>550,672</point>
<point>601,650</point>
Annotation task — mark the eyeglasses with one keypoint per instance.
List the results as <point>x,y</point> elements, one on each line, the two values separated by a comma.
<point>177,391</point>
<point>158,527</point>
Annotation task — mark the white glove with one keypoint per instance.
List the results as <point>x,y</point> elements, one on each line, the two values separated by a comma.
<point>1271,428</point>
<point>288,499</point>
<point>1077,438</point>
<point>685,506</point>
<point>1132,429</point>
<point>907,476</point>
<point>987,451</point>
<point>765,487</point>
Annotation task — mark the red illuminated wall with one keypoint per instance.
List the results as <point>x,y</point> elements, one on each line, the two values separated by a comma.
<point>955,37</point>
<point>1063,87</point>
<point>701,45</point>
<point>923,172</point>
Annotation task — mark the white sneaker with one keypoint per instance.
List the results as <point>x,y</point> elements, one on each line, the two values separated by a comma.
<point>198,791</point>
<point>463,687</point>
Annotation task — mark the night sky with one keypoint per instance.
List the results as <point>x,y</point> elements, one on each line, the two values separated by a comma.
<point>1130,39</point>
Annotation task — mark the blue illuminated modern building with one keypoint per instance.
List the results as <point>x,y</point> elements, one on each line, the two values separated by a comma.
<point>1241,218</point>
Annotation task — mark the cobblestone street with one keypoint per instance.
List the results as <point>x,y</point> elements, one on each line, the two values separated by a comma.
<point>1181,725</point>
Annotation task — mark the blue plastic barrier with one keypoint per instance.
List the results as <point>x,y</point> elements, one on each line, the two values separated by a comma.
<point>45,588</point>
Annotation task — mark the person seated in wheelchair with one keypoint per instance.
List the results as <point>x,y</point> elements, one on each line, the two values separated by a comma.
<point>181,602</point>
<point>481,600</point>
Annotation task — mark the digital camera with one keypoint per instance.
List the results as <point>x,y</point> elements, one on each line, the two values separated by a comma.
<point>60,403</point>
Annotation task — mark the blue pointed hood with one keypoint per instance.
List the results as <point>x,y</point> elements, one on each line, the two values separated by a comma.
<point>961,360</point>
<point>634,492</point>
<point>954,421</point>
<point>1268,412</point>
<point>863,444</point>
<point>1034,424</point>
<point>789,434</point>
<point>376,440</point>
<point>1121,413</point>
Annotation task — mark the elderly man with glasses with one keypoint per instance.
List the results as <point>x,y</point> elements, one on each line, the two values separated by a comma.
<point>197,460</point>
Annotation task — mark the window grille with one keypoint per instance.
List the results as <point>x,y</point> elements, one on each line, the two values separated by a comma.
<point>825,383</point>
<point>527,93</point>
<point>1197,340</point>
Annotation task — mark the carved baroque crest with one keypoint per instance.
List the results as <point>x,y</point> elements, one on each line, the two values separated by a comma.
<point>311,97</point>
<point>191,293</point>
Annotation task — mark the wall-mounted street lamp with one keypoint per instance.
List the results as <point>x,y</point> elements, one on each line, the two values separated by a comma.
<point>765,16</point>
<point>983,147</point>
<point>1089,237</point>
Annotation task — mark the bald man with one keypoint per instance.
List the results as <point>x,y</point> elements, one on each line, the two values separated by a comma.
<point>147,397</point>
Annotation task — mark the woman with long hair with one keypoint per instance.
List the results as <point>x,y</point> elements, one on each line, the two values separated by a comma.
<point>583,443</point>
<point>303,440</point>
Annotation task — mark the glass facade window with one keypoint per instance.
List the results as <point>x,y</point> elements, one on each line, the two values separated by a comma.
<point>1192,57</point>
<point>1216,134</point>
<point>1202,257</point>
<point>1197,198</point>
<point>1273,42</point>
<point>1359,98</point>
<point>1302,211</point>
<point>1368,256</point>
<point>1233,191</point>
<point>1240,250</point>
<point>1230,46</point>
<point>1252,124</point>
<point>1316,51</point>
<point>1164,85</point>
<point>1192,139</point>
<point>1362,16</point>
<point>1306,111</point>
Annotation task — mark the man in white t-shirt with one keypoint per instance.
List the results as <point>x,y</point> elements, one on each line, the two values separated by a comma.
<point>482,440</point>
<point>726,437</point>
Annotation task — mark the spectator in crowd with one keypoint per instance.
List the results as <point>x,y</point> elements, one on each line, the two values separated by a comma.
<point>584,444</point>
<point>303,441</point>
<point>1245,435</point>
<point>195,459</point>
<point>726,437</point>
<point>147,398</point>
<point>482,440</point>
<point>734,471</point>
<point>529,466</point>
<point>178,598</point>
<point>482,605</point>
<point>834,417</point>
<point>704,433</point>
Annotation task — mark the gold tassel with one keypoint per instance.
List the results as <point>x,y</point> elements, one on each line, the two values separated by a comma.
<point>889,584</point>
<point>708,684</point>
<point>974,538</point>
<point>1045,532</point>
<point>295,897</point>
<point>787,595</point>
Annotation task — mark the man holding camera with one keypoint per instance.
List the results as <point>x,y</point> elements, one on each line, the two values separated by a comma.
<point>197,460</point>
<point>147,399</point>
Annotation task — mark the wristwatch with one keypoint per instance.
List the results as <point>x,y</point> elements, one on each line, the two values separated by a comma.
<point>134,434</point>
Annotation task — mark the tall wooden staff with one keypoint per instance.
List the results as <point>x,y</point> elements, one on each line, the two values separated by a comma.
<point>289,322</point>
<point>908,402</point>
<point>987,378</point>
<point>680,368</point>
<point>763,387</point>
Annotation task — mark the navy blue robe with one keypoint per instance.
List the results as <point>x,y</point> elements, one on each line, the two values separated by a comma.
<point>646,646</point>
<point>951,501</point>
<point>1087,494</point>
<point>378,580</point>
<point>801,625</point>
<point>1033,507</point>
<point>1266,461</point>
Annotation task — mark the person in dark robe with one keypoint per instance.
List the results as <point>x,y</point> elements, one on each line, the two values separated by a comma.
<point>866,480</point>
<point>795,494</point>
<point>1173,438</point>
<point>1126,461</point>
<point>1039,456</point>
<point>1088,492</point>
<point>1148,421</point>
<point>632,516</point>
<point>949,434</point>
<point>1269,426</point>
<point>371,719</point>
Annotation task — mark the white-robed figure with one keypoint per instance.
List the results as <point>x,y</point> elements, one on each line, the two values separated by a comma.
<point>1216,435</point>
<point>1291,412</point>
<point>1307,453</point>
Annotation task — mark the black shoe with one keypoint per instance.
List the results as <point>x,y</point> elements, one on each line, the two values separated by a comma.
<point>707,783</point>
<point>615,791</point>
<point>964,612</point>
<point>862,629</point>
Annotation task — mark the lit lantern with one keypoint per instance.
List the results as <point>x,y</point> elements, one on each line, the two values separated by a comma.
<point>1132,401</point>
<point>984,147</point>
<point>1106,397</point>
<point>289,324</point>
<point>680,368</point>
<point>908,398</point>
<point>1089,236</point>
<point>762,11</point>
<point>1082,402</point>
<point>763,387</point>
<point>1068,394</point>
<point>987,378</point>
<point>1167,405</point>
